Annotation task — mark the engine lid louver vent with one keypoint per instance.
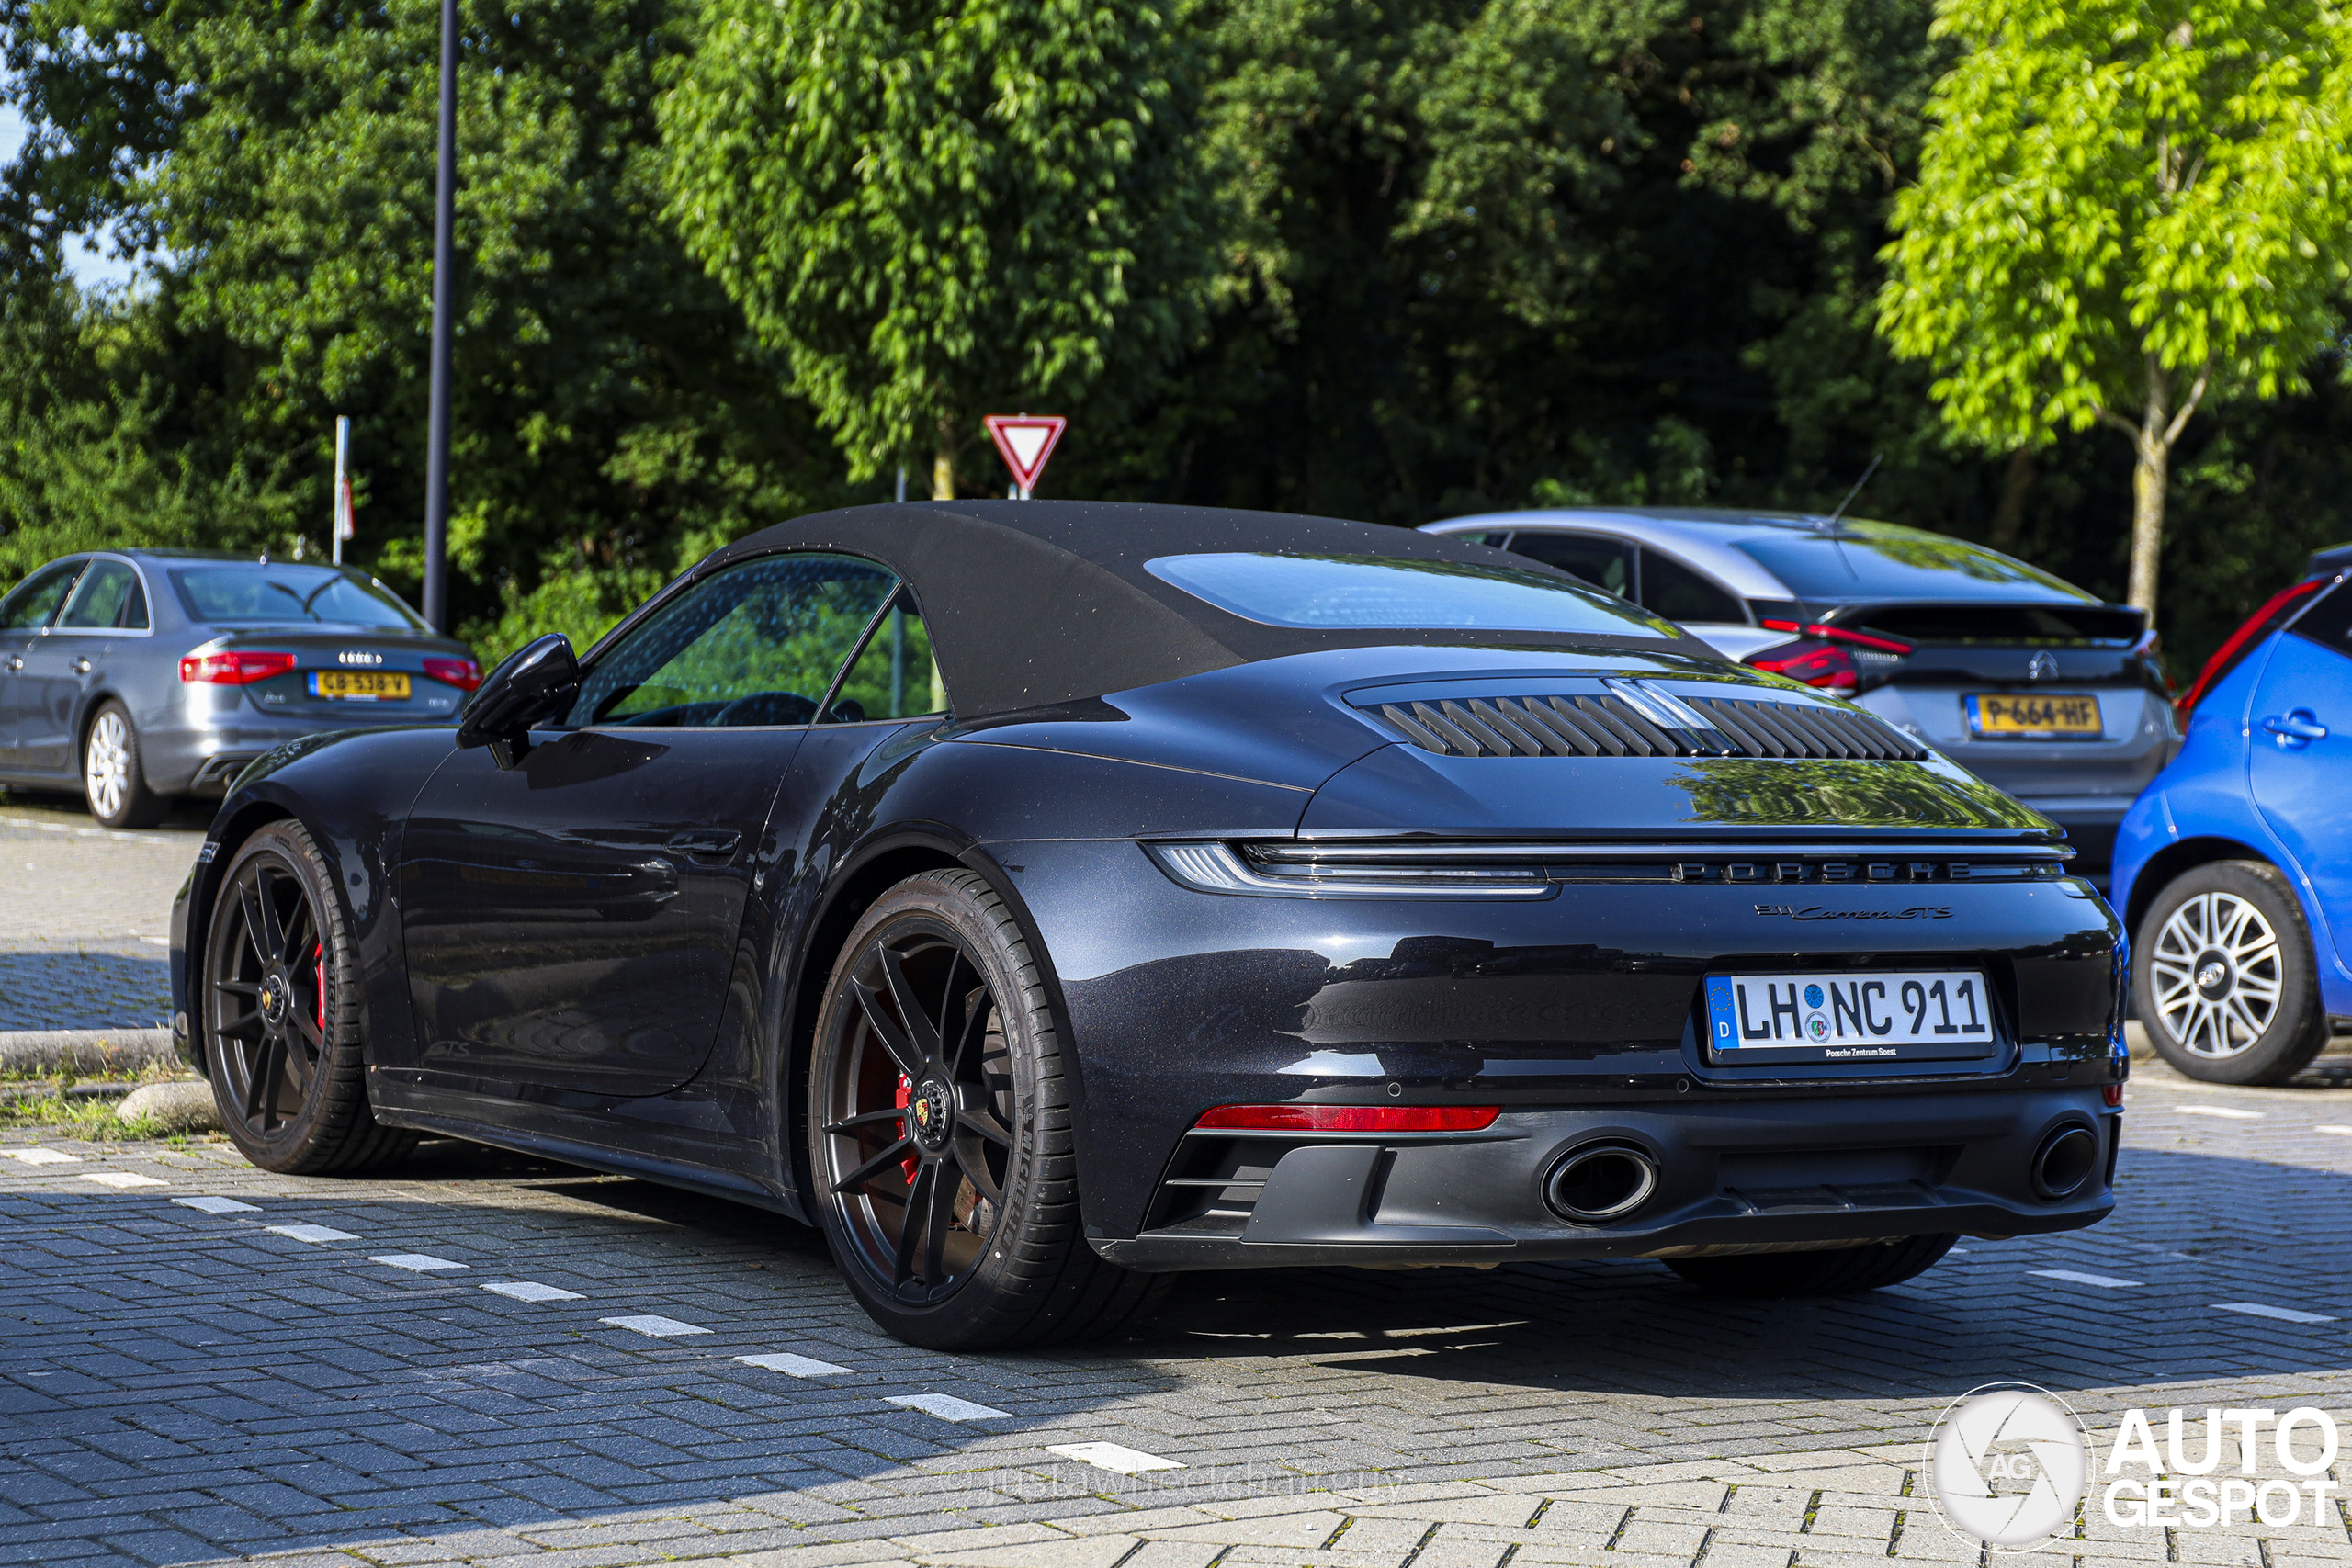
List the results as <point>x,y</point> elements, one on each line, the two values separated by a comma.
<point>1652,724</point>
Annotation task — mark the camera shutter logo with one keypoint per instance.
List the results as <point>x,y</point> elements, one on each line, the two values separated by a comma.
<point>2006,1464</point>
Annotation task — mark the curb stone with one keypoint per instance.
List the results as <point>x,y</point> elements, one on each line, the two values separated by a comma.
<point>179,1107</point>
<point>86,1052</point>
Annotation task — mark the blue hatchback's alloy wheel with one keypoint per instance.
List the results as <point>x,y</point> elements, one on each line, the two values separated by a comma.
<point>2223,978</point>
<point>2217,974</point>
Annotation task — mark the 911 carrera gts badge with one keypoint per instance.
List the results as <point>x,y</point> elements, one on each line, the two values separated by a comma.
<point>1815,913</point>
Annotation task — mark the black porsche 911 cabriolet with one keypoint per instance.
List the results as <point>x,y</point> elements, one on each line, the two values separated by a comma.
<point>1045,898</point>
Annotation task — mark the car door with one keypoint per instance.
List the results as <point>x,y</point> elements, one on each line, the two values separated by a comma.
<point>25,615</point>
<point>62,664</point>
<point>572,922</point>
<point>2298,752</point>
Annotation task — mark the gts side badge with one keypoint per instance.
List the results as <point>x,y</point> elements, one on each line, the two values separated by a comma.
<point>1815,913</point>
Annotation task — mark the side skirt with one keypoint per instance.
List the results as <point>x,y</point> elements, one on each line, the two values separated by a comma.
<point>700,1180</point>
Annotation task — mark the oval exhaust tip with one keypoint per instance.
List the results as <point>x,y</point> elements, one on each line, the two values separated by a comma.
<point>2065,1162</point>
<point>1600,1181</point>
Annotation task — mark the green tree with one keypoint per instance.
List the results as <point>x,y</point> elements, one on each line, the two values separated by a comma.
<point>2127,210</point>
<point>613,417</point>
<point>929,208</point>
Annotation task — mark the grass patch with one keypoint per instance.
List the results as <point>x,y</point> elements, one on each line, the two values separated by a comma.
<point>84,1116</point>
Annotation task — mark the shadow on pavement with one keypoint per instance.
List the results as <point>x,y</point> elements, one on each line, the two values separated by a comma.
<point>310,1398</point>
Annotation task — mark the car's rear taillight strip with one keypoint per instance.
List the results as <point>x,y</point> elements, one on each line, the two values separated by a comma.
<point>236,667</point>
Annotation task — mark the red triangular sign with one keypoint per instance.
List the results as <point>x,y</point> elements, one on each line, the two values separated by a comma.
<point>1025,442</point>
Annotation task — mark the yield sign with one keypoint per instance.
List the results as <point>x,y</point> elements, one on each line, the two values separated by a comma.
<point>1025,442</point>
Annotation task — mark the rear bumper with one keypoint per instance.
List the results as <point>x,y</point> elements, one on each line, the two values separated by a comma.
<point>1785,1174</point>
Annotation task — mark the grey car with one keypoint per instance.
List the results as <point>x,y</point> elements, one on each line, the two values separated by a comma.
<point>143,675</point>
<point>2031,683</point>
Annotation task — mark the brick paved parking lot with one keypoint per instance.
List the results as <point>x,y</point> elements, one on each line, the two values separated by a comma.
<point>478,1359</point>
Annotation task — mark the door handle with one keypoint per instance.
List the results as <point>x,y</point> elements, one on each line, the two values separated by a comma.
<point>2297,730</point>
<point>81,666</point>
<point>706,844</point>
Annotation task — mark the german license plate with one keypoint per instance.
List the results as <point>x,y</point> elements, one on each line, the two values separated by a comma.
<point>359,685</point>
<point>1924,1015</point>
<point>2056,715</point>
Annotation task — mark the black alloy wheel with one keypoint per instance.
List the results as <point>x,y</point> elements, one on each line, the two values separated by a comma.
<point>281,1014</point>
<point>939,1138</point>
<point>918,1104</point>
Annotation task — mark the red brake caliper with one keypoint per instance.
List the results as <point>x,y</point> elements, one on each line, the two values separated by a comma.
<point>907,1092</point>
<point>321,954</point>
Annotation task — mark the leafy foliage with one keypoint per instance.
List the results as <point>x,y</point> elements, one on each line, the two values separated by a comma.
<point>2124,210</point>
<point>1390,259</point>
<point>928,210</point>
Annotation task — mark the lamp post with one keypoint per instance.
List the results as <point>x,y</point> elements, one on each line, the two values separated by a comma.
<point>437,456</point>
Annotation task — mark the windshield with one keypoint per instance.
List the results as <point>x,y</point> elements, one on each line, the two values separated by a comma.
<point>276,594</point>
<point>1880,560</point>
<point>1350,592</point>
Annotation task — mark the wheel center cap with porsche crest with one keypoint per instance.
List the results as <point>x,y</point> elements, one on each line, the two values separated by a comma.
<point>931,1114</point>
<point>275,995</point>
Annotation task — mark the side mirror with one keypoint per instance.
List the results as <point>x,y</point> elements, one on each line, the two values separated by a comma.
<point>535,685</point>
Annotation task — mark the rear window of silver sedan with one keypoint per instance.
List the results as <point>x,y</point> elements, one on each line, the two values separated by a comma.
<point>279,595</point>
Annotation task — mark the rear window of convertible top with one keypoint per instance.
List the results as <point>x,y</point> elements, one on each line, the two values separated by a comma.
<point>1319,592</point>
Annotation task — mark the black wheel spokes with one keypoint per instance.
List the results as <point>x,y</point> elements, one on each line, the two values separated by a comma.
<point>274,965</point>
<point>922,1228</point>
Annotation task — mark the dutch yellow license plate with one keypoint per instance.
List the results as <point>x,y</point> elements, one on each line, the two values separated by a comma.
<point>2037,715</point>
<point>359,685</point>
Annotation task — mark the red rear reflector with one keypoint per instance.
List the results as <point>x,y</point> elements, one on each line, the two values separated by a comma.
<point>2114,1095</point>
<point>1827,632</point>
<point>1350,1118</point>
<point>1815,663</point>
<point>462,673</point>
<point>240,668</point>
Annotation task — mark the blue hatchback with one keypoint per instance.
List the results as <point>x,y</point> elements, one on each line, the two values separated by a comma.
<point>2234,869</point>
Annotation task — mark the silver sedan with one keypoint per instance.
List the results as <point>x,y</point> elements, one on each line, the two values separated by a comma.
<point>143,675</point>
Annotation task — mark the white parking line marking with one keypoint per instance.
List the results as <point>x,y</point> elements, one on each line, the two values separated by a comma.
<point>1112,1456</point>
<point>2332,1127</point>
<point>2284,1314</point>
<point>948,1408</point>
<point>42,1156</point>
<point>311,1233</point>
<point>218,1205</point>
<point>122,1178</point>
<point>654,1325</point>
<point>2106,1281</point>
<point>794,1366</point>
<point>2231,1111</point>
<point>416,1262</point>
<point>531,1291</point>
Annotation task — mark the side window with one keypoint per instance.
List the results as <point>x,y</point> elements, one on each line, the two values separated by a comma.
<point>1674,591</point>
<point>2329,620</point>
<point>757,644</point>
<point>1607,564</point>
<point>105,594</point>
<point>36,598</point>
<point>895,676</point>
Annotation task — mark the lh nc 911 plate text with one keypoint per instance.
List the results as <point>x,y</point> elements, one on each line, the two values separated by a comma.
<point>1921,1016</point>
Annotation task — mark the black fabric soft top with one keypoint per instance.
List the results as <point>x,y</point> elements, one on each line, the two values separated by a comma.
<point>1038,601</point>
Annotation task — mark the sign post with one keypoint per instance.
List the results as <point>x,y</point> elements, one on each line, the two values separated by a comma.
<point>1025,442</point>
<point>344,526</point>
